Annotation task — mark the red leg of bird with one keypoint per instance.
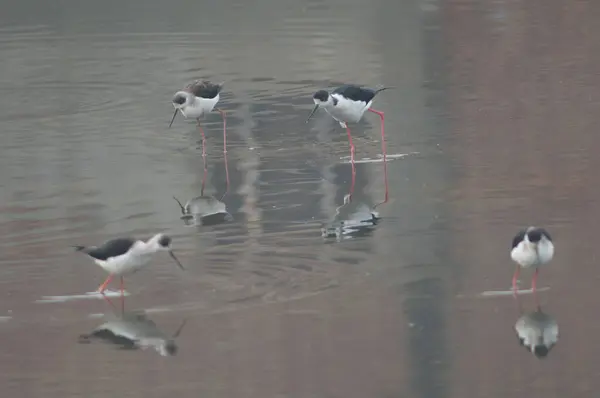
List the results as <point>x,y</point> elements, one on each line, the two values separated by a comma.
<point>205,172</point>
<point>534,280</point>
<point>226,176</point>
<point>383,149</point>
<point>204,175</point>
<point>514,280</point>
<point>351,162</point>
<point>385,181</point>
<point>203,139</point>
<point>122,295</point>
<point>225,146</point>
<point>222,112</point>
<point>109,302</point>
<point>103,286</point>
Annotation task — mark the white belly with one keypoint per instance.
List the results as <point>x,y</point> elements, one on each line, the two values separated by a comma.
<point>200,107</point>
<point>347,111</point>
<point>124,264</point>
<point>526,255</point>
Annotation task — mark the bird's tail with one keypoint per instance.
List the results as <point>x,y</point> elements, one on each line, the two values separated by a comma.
<point>79,248</point>
<point>381,88</point>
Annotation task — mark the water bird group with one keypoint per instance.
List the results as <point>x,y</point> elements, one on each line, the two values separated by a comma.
<point>532,247</point>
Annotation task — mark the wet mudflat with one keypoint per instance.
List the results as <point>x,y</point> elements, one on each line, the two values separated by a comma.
<point>490,127</point>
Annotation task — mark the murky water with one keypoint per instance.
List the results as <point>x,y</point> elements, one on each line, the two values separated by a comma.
<point>490,127</point>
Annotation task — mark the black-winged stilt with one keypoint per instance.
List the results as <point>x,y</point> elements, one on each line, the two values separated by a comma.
<point>122,256</point>
<point>194,101</point>
<point>347,104</point>
<point>531,247</point>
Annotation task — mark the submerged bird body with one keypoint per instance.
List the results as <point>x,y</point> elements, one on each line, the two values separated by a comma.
<point>538,332</point>
<point>134,331</point>
<point>205,209</point>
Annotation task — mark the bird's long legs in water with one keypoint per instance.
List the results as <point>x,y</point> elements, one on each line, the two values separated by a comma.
<point>222,112</point>
<point>205,172</point>
<point>351,163</point>
<point>534,286</point>
<point>104,285</point>
<point>384,151</point>
<point>514,280</point>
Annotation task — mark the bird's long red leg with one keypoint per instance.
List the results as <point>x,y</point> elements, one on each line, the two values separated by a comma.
<point>383,150</point>
<point>351,162</point>
<point>122,295</point>
<point>222,112</point>
<point>109,302</point>
<point>203,138</point>
<point>205,172</point>
<point>534,280</point>
<point>103,286</point>
<point>514,280</point>
<point>204,175</point>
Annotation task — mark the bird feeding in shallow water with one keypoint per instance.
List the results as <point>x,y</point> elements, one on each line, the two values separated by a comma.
<point>194,101</point>
<point>347,104</point>
<point>197,99</point>
<point>531,247</point>
<point>122,256</point>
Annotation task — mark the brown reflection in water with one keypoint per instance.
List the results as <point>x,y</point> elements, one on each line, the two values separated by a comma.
<point>523,94</point>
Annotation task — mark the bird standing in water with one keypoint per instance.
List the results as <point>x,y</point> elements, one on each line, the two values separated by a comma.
<point>347,104</point>
<point>122,256</point>
<point>194,101</point>
<point>531,247</point>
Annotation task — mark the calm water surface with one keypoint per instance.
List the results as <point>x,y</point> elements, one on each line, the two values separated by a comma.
<point>272,309</point>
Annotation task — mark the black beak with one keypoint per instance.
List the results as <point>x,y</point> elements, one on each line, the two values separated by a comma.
<point>178,331</point>
<point>175,114</point>
<point>175,258</point>
<point>180,205</point>
<point>313,112</point>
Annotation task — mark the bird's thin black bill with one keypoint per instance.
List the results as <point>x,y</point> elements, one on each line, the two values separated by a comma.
<point>175,114</point>
<point>312,113</point>
<point>176,260</point>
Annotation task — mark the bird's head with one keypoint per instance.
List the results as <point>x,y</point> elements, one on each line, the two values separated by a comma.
<point>180,100</point>
<point>320,98</point>
<point>162,242</point>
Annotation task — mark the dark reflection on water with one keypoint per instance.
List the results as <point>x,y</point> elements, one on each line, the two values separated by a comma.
<point>203,210</point>
<point>537,331</point>
<point>134,330</point>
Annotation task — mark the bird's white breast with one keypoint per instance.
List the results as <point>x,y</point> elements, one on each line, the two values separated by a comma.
<point>346,110</point>
<point>127,263</point>
<point>199,107</point>
<point>527,255</point>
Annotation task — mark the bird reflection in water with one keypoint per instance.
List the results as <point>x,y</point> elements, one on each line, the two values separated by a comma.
<point>204,210</point>
<point>537,331</point>
<point>134,331</point>
<point>354,218</point>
